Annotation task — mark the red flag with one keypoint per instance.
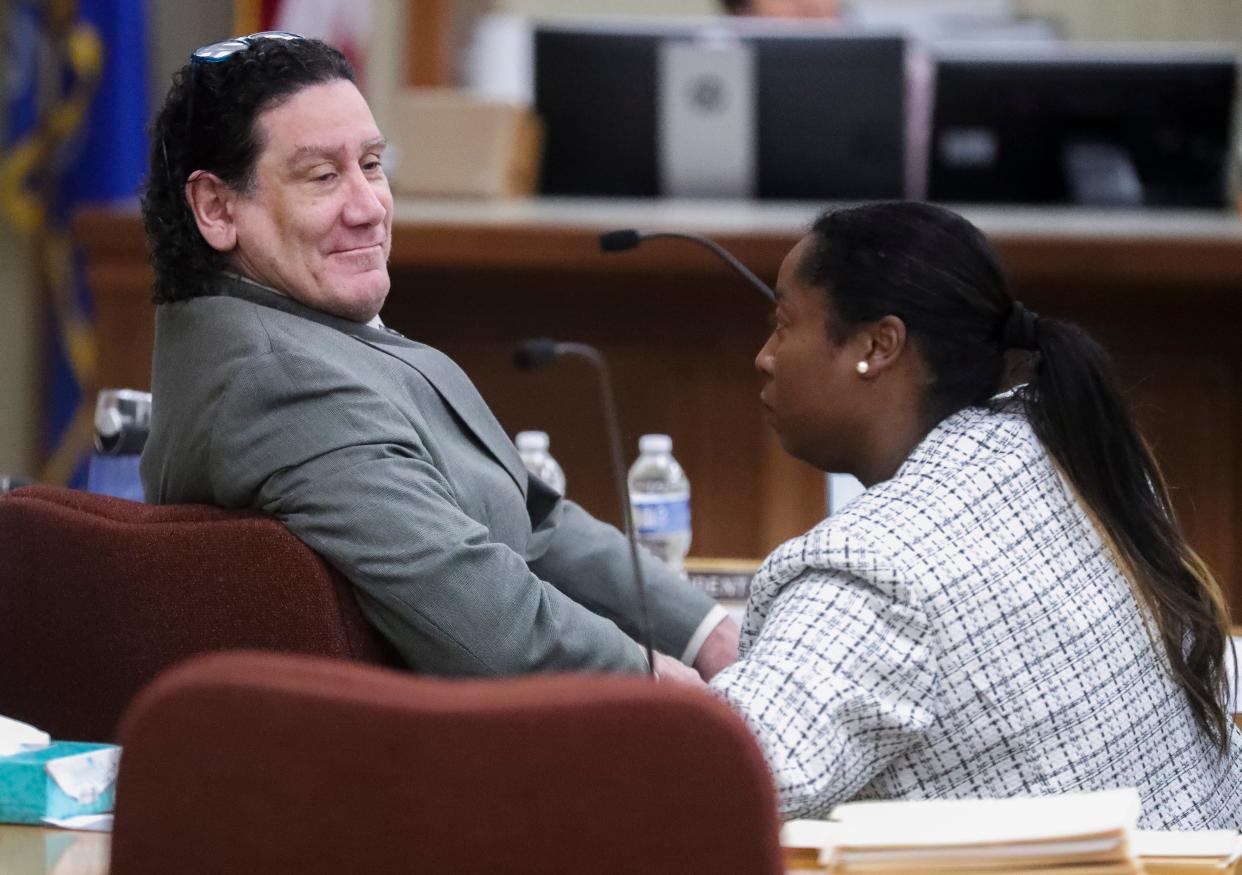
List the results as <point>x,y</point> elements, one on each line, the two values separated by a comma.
<point>345,24</point>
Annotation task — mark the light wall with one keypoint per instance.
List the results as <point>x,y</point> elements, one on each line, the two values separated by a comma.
<point>19,330</point>
<point>175,29</point>
<point>19,367</point>
<point>1211,20</point>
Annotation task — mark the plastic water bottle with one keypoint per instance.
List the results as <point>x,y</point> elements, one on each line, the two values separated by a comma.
<point>533,447</point>
<point>660,500</point>
<point>122,423</point>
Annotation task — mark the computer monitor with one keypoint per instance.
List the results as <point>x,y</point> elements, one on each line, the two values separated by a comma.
<point>1116,126</point>
<point>824,113</point>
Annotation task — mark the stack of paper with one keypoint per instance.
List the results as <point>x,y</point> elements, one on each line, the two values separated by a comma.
<point>1086,833</point>
<point>802,842</point>
<point>1188,853</point>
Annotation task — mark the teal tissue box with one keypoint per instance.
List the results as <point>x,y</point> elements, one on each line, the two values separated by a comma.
<point>64,779</point>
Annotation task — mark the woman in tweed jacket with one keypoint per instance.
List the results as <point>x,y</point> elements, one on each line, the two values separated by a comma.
<point>1010,608</point>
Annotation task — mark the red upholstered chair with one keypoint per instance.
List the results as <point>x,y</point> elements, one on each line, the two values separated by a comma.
<point>98,595</point>
<point>279,764</point>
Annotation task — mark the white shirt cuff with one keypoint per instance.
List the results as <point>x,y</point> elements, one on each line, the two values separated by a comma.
<point>709,624</point>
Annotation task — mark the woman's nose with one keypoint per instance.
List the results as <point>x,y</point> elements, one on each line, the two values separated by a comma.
<point>763,360</point>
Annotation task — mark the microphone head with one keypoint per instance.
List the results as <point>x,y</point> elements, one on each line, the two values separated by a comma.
<point>535,353</point>
<point>619,241</point>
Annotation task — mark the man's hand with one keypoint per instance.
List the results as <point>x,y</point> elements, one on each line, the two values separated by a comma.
<point>671,671</point>
<point>719,650</point>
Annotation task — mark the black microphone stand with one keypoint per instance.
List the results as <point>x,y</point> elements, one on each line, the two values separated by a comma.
<point>630,238</point>
<point>536,353</point>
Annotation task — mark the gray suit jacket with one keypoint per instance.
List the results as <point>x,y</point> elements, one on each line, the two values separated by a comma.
<point>380,454</point>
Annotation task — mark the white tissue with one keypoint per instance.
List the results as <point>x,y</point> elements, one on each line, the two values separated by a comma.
<point>86,776</point>
<point>18,737</point>
<point>83,822</point>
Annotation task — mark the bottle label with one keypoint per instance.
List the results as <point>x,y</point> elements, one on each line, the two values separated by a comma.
<point>661,514</point>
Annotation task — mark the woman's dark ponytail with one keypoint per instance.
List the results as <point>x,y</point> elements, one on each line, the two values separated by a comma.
<point>1077,408</point>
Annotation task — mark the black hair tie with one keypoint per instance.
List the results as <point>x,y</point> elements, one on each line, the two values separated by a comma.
<point>1021,329</point>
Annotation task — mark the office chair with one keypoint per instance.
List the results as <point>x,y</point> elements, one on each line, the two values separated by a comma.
<point>99,594</point>
<point>245,762</point>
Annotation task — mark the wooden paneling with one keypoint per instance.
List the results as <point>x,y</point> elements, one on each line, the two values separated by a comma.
<point>681,360</point>
<point>429,38</point>
<point>681,332</point>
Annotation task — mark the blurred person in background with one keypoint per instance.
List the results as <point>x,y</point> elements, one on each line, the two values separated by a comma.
<point>783,8</point>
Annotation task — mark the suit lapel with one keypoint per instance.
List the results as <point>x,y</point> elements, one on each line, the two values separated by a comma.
<point>456,390</point>
<point>449,381</point>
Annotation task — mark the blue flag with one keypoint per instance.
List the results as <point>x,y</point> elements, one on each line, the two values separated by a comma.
<point>77,111</point>
<point>111,156</point>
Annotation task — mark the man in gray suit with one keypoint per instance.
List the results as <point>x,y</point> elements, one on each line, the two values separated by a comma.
<point>277,387</point>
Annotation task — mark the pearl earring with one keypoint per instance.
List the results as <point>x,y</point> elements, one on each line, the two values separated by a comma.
<point>862,368</point>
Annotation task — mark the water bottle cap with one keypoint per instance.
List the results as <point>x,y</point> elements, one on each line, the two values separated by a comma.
<point>532,441</point>
<point>122,421</point>
<point>655,443</point>
<point>121,408</point>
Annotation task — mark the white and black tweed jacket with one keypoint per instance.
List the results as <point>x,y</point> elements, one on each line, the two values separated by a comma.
<point>961,630</point>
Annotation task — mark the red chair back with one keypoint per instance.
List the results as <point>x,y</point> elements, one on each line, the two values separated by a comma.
<point>98,595</point>
<point>280,764</point>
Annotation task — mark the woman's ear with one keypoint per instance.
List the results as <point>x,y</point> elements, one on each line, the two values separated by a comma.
<point>212,203</point>
<point>883,344</point>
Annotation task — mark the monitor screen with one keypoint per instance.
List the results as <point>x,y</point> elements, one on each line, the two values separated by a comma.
<point>824,115</point>
<point>1120,126</point>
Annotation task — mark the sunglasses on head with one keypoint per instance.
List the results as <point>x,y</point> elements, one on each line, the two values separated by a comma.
<point>227,48</point>
<point>214,54</point>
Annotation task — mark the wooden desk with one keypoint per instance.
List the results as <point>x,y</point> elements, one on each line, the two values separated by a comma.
<point>1160,289</point>
<point>30,850</point>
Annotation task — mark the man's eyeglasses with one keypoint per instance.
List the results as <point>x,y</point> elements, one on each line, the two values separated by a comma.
<point>214,54</point>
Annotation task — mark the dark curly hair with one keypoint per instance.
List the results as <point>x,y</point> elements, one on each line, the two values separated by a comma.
<point>207,122</point>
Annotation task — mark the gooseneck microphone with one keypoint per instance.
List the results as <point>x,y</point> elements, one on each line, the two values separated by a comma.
<point>531,354</point>
<point>630,238</point>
